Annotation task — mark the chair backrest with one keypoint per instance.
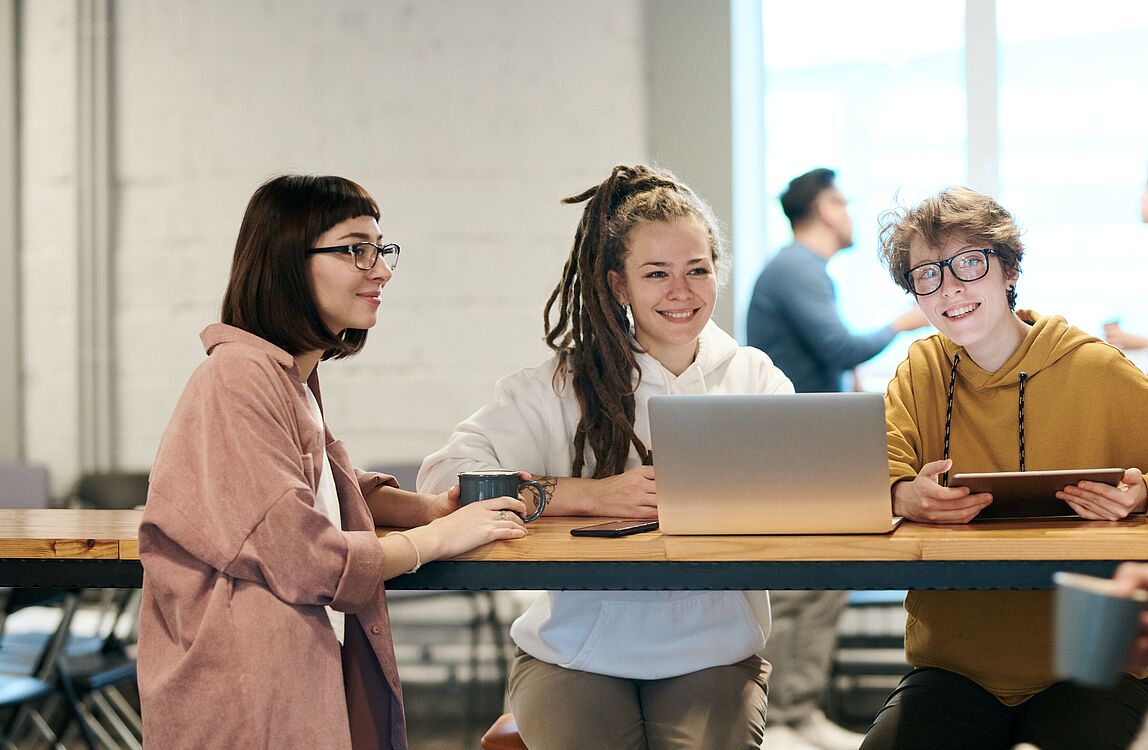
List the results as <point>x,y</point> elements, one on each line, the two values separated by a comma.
<point>17,599</point>
<point>24,486</point>
<point>404,472</point>
<point>110,490</point>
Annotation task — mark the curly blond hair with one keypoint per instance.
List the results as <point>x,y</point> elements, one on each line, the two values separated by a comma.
<point>953,212</point>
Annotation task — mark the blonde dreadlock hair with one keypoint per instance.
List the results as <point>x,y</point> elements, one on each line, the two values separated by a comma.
<point>592,334</point>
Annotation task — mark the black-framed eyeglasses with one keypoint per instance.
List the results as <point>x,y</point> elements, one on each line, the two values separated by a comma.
<point>366,254</point>
<point>969,265</point>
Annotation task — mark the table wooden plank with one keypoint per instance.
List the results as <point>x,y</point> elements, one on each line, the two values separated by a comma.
<point>550,540</point>
<point>49,549</point>
<point>58,533</point>
<point>1037,540</point>
<point>111,534</point>
<point>880,547</point>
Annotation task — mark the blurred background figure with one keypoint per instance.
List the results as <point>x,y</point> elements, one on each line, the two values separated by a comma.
<point>793,313</point>
<point>793,317</point>
<point>1113,333</point>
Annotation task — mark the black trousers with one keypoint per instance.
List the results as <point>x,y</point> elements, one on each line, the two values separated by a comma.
<point>933,709</point>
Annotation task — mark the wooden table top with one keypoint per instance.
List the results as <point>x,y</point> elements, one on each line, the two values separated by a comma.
<point>550,540</point>
<point>69,534</point>
<point>112,534</point>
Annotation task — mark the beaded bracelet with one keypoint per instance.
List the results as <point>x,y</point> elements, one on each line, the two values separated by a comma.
<point>418,557</point>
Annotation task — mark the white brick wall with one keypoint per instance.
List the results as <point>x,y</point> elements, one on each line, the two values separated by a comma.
<point>49,227</point>
<point>467,120</point>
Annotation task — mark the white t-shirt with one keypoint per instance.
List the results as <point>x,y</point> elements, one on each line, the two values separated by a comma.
<point>327,503</point>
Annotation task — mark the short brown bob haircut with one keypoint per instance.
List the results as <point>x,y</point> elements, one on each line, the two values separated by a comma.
<point>954,212</point>
<point>267,293</point>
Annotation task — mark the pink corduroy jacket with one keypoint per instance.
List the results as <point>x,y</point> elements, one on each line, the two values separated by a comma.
<point>235,648</point>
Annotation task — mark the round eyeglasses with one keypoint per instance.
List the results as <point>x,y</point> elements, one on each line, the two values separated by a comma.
<point>969,265</point>
<point>366,254</point>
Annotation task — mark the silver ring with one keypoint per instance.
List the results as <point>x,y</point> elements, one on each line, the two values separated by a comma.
<point>501,515</point>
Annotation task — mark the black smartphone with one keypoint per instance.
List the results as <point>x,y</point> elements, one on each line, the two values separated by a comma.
<point>615,528</point>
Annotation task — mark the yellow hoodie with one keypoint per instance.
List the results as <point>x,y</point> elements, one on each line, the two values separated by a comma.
<point>1085,406</point>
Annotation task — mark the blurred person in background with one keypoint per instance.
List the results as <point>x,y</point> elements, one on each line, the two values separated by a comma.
<point>1113,333</point>
<point>793,318</point>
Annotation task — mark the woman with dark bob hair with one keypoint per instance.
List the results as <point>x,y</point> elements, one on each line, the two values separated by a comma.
<point>264,619</point>
<point>998,388</point>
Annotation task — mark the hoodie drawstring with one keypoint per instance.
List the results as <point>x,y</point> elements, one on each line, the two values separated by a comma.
<point>1020,418</point>
<point>949,415</point>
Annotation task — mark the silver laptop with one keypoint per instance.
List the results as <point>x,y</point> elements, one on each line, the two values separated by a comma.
<point>807,463</point>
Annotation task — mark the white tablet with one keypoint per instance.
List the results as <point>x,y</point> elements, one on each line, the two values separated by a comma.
<point>1030,494</point>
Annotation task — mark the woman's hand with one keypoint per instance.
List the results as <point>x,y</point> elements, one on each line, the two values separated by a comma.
<point>1130,577</point>
<point>391,506</point>
<point>1103,502</point>
<point>630,494</point>
<point>627,495</point>
<point>472,525</point>
<point>925,499</point>
<point>444,503</point>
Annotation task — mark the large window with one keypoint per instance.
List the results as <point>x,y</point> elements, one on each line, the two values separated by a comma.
<point>1074,156</point>
<point>880,95</point>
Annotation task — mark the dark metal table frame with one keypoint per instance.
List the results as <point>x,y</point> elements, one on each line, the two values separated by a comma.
<point>651,575</point>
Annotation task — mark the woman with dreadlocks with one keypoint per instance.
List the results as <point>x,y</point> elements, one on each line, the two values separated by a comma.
<point>624,669</point>
<point>998,389</point>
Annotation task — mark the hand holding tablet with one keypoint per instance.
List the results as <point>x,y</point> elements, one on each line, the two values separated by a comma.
<point>1031,494</point>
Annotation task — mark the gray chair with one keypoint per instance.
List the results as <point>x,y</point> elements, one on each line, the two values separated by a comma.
<point>24,486</point>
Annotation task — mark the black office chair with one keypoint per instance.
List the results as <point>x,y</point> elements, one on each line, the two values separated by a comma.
<point>93,683</point>
<point>110,490</point>
<point>29,683</point>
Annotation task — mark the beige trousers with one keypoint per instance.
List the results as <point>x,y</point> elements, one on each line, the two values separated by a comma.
<point>722,708</point>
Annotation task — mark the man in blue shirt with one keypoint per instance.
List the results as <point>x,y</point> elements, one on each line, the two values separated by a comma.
<point>793,313</point>
<point>793,318</point>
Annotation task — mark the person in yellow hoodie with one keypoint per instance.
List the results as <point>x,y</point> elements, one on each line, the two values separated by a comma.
<point>998,389</point>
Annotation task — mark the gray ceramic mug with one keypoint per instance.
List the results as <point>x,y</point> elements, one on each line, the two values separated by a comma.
<point>483,485</point>
<point>1094,628</point>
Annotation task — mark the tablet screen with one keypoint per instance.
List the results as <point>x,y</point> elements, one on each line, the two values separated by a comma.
<point>1030,494</point>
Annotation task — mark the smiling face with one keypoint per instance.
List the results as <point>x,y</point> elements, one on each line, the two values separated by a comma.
<point>668,281</point>
<point>974,314</point>
<point>347,296</point>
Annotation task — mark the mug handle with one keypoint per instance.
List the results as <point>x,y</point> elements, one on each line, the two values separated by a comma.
<point>541,498</point>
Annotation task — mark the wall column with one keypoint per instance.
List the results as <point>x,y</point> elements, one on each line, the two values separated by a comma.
<point>11,361</point>
<point>97,434</point>
<point>690,104</point>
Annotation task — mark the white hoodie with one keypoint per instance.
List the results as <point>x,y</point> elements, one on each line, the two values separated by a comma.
<point>632,634</point>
